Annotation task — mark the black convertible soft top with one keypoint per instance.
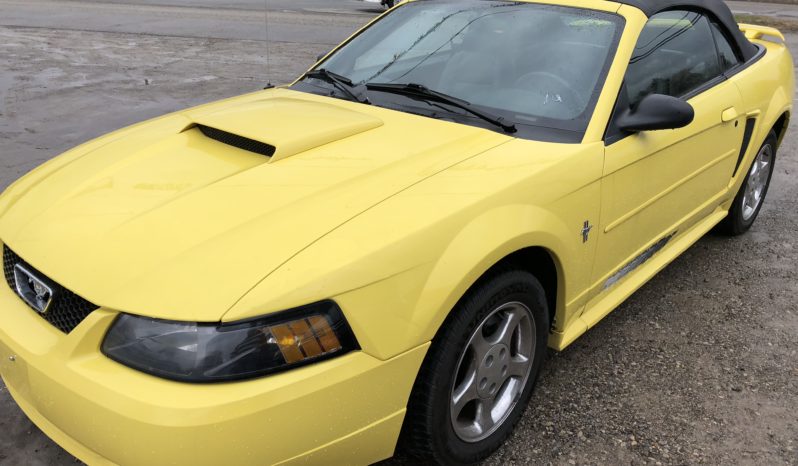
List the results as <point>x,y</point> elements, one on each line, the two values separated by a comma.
<point>717,8</point>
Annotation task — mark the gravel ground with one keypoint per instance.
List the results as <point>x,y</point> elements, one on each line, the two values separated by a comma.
<point>785,2</point>
<point>699,366</point>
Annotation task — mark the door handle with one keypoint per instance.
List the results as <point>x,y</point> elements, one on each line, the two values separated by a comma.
<point>730,114</point>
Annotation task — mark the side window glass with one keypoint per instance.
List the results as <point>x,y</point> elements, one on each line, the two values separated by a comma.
<point>728,59</point>
<point>674,55</point>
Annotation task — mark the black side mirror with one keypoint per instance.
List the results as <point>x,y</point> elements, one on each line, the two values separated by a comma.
<point>655,112</point>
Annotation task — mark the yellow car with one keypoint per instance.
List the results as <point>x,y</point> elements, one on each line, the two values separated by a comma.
<point>379,254</point>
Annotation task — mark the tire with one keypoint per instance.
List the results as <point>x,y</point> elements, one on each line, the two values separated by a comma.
<point>439,431</point>
<point>749,200</point>
<point>389,3</point>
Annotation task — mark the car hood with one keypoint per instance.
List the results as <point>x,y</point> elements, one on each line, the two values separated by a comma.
<point>170,220</point>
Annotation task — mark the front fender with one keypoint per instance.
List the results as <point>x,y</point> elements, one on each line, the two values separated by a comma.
<point>477,248</point>
<point>398,269</point>
<point>397,294</point>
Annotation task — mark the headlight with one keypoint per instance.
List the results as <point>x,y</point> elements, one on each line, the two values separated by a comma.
<point>196,352</point>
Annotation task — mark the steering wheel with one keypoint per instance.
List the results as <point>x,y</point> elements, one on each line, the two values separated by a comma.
<point>557,89</point>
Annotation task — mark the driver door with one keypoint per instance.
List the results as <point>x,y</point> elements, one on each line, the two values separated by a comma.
<point>657,184</point>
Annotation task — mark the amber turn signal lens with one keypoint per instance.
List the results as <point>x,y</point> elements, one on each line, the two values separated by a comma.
<point>305,338</point>
<point>222,352</point>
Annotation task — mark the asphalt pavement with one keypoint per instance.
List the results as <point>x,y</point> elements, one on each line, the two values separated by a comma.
<point>313,22</point>
<point>780,10</point>
<point>698,367</point>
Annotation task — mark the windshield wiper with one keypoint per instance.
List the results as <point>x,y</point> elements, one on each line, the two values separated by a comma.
<point>424,93</point>
<point>342,83</point>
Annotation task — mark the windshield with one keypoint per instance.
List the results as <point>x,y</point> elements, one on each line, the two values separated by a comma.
<point>534,64</point>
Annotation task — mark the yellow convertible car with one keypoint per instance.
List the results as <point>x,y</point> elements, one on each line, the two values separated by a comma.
<point>377,256</point>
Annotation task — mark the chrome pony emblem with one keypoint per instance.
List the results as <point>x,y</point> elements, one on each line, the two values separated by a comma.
<point>586,229</point>
<point>32,290</point>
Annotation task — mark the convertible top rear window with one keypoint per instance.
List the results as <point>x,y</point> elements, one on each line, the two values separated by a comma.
<point>539,66</point>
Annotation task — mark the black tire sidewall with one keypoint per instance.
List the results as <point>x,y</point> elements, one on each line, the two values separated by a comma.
<point>446,352</point>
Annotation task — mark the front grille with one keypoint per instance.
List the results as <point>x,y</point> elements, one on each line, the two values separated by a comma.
<point>67,309</point>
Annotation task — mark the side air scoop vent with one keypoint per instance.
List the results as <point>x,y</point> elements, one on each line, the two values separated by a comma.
<point>237,141</point>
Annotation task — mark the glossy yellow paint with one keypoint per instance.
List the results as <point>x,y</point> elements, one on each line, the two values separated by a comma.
<point>756,32</point>
<point>105,413</point>
<point>394,216</point>
<point>693,187</point>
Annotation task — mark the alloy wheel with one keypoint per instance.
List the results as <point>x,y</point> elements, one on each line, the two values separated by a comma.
<point>757,183</point>
<point>493,371</point>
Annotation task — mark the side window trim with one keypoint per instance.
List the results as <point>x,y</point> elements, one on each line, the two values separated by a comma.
<point>681,56</point>
<point>761,51</point>
<point>712,24</point>
<point>612,134</point>
<point>704,87</point>
<point>732,44</point>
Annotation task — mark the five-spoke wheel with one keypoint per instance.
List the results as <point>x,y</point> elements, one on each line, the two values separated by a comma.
<point>479,373</point>
<point>493,371</point>
<point>757,183</point>
<point>751,196</point>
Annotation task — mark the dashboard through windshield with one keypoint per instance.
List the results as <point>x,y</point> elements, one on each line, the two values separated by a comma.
<point>534,65</point>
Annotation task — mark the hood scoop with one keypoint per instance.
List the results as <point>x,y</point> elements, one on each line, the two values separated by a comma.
<point>235,140</point>
<point>281,127</point>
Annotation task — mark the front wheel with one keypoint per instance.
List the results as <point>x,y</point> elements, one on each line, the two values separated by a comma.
<point>749,200</point>
<point>479,372</point>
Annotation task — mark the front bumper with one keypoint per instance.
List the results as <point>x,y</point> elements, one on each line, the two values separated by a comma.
<point>347,410</point>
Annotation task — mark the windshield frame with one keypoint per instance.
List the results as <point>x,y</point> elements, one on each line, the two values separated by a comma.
<point>545,129</point>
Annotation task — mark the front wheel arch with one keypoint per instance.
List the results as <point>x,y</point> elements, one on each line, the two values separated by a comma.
<point>542,264</point>
<point>532,239</point>
<point>425,433</point>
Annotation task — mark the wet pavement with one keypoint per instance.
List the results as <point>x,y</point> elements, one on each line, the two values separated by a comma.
<point>699,366</point>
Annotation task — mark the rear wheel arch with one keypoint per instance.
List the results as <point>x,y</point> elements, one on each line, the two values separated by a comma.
<point>780,127</point>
